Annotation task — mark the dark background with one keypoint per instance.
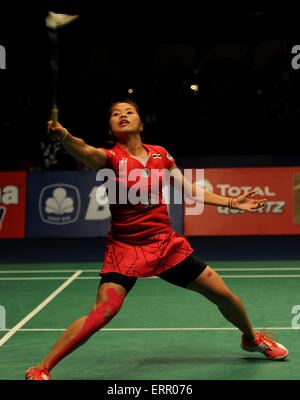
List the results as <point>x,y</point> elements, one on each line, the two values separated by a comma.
<point>246,110</point>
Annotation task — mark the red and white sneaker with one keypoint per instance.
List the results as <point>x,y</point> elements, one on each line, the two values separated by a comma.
<point>37,374</point>
<point>264,344</point>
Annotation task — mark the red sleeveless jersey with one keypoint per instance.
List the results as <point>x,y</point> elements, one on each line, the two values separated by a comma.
<point>140,241</point>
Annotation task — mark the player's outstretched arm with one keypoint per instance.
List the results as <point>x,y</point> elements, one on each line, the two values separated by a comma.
<point>243,202</point>
<point>89,155</point>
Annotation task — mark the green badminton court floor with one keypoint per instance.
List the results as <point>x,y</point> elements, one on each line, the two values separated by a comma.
<point>162,332</point>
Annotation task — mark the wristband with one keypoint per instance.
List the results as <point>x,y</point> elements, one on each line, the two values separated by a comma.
<point>230,202</point>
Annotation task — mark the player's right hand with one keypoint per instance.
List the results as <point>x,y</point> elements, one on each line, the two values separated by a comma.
<point>56,132</point>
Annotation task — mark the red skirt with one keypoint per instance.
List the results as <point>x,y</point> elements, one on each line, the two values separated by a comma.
<point>163,251</point>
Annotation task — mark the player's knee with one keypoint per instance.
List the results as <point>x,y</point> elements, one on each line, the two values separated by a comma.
<point>109,308</point>
<point>112,309</point>
<point>111,312</point>
<point>102,312</point>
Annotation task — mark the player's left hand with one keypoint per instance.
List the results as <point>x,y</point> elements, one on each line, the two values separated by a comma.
<point>245,203</point>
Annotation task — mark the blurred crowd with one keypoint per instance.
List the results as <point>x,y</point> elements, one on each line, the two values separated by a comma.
<point>197,87</point>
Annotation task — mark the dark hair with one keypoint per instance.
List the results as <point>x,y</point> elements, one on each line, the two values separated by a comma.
<point>111,141</point>
<point>129,101</point>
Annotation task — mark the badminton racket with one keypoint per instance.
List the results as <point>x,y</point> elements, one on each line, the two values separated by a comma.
<point>54,22</point>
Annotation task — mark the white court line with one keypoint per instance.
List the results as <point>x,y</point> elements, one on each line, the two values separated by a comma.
<point>57,278</point>
<point>54,278</point>
<point>151,277</point>
<point>154,329</point>
<point>38,308</point>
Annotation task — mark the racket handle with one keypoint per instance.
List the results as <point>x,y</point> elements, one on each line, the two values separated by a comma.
<point>54,116</point>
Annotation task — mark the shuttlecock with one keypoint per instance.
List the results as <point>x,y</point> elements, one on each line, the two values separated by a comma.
<point>54,20</point>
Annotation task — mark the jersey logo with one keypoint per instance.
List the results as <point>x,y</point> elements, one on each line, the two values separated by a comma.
<point>146,172</point>
<point>156,156</point>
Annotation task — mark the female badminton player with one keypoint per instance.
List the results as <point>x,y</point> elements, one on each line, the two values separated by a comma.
<point>141,242</point>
